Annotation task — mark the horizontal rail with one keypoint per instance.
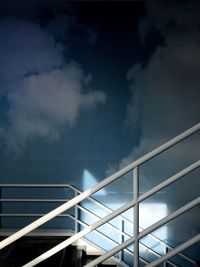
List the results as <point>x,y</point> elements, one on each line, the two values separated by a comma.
<point>32,200</point>
<point>131,223</point>
<point>35,185</point>
<point>27,215</point>
<point>175,251</point>
<point>80,222</point>
<point>81,197</point>
<point>73,188</point>
<point>118,248</point>
<point>99,186</point>
<point>142,234</point>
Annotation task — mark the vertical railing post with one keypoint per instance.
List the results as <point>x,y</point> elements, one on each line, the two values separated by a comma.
<point>76,214</point>
<point>1,204</point>
<point>121,238</point>
<point>136,215</point>
<point>165,264</point>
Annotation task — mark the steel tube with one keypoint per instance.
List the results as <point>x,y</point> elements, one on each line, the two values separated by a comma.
<point>131,223</point>
<point>76,214</point>
<point>99,186</point>
<point>27,215</point>
<point>35,185</point>
<point>32,200</point>
<point>82,196</point>
<point>77,236</point>
<point>90,198</point>
<point>136,216</point>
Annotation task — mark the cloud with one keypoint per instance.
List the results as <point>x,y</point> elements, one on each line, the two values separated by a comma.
<point>26,48</point>
<point>165,91</point>
<point>166,101</point>
<point>45,92</point>
<point>170,18</point>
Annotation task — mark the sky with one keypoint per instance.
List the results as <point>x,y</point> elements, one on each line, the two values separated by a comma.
<point>88,87</point>
<point>94,85</point>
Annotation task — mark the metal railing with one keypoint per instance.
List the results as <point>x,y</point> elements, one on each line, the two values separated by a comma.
<point>104,220</point>
<point>77,221</point>
<point>135,203</point>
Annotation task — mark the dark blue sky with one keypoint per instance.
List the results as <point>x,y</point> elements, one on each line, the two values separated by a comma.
<point>93,85</point>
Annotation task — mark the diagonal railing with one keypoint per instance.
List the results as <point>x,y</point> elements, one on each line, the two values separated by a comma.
<point>130,223</point>
<point>83,209</point>
<point>115,214</point>
<point>135,203</point>
<point>148,230</point>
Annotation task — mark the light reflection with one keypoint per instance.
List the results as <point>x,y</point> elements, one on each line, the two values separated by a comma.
<point>150,213</point>
<point>89,181</point>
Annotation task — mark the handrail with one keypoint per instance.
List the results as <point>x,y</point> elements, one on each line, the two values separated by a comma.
<point>76,190</point>
<point>106,208</point>
<point>75,219</point>
<point>131,223</point>
<point>99,186</point>
<point>118,248</point>
<point>108,218</point>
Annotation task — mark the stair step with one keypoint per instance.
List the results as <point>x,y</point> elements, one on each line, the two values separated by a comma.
<point>26,249</point>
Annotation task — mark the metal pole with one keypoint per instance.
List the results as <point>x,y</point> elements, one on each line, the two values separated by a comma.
<point>76,214</point>
<point>0,207</point>
<point>99,186</point>
<point>136,215</point>
<point>165,264</point>
<point>121,237</point>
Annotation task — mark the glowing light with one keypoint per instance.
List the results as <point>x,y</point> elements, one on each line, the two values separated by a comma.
<point>89,181</point>
<point>151,213</point>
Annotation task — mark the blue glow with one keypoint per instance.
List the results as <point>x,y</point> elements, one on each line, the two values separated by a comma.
<point>89,181</point>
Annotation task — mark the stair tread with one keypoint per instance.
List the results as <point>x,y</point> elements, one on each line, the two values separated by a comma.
<point>26,249</point>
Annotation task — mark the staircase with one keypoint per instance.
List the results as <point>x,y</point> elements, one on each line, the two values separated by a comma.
<point>34,246</point>
<point>93,237</point>
<point>29,247</point>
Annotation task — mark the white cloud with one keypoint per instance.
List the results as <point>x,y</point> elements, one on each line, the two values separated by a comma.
<point>44,92</point>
